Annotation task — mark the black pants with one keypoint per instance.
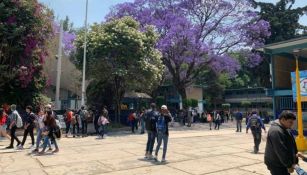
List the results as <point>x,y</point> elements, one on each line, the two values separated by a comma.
<point>29,130</point>
<point>217,124</point>
<point>84,127</point>
<point>96,125</point>
<point>13,136</point>
<point>257,140</point>
<point>278,170</point>
<point>74,127</point>
<point>67,127</point>
<point>132,125</point>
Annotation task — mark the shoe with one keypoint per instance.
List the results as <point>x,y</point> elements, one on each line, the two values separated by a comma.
<point>163,160</point>
<point>35,150</point>
<point>50,149</point>
<point>146,156</point>
<point>156,158</point>
<point>20,147</point>
<point>56,151</point>
<point>9,147</point>
<point>32,146</point>
<point>150,157</point>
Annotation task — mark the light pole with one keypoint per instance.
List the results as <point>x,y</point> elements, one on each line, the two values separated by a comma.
<point>84,57</point>
<point>59,69</point>
<point>300,139</point>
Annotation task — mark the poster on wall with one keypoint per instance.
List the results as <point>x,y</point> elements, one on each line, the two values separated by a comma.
<point>303,85</point>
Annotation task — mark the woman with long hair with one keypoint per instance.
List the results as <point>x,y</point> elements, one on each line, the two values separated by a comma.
<point>50,126</point>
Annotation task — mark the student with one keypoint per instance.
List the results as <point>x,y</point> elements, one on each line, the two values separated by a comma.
<point>132,120</point>
<point>84,115</point>
<point>150,125</point>
<point>68,117</point>
<point>142,120</point>
<point>162,131</point>
<point>14,116</point>
<point>50,126</point>
<point>3,125</point>
<point>239,118</point>
<point>255,124</point>
<point>40,127</point>
<point>280,152</point>
<point>209,120</point>
<point>217,121</point>
<point>75,125</point>
<point>29,127</point>
<point>102,122</point>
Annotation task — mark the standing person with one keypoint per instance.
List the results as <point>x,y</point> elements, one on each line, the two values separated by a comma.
<point>190,118</point>
<point>248,115</point>
<point>142,120</point>
<point>102,122</point>
<point>75,125</point>
<point>132,120</point>
<point>209,120</point>
<point>3,124</point>
<point>83,113</point>
<point>40,127</point>
<point>29,127</point>
<point>162,131</point>
<point>150,125</point>
<point>217,121</point>
<point>280,152</point>
<point>255,124</point>
<point>239,118</point>
<point>96,117</point>
<point>68,117</point>
<point>50,126</point>
<point>14,117</point>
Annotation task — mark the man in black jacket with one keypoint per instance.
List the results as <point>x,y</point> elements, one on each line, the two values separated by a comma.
<point>280,152</point>
<point>150,125</point>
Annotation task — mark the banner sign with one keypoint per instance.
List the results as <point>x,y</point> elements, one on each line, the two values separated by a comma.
<point>303,85</point>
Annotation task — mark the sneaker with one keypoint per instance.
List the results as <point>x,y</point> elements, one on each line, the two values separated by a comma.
<point>50,149</point>
<point>9,147</point>
<point>56,151</point>
<point>156,158</point>
<point>163,160</point>
<point>150,157</point>
<point>35,150</point>
<point>20,147</point>
<point>146,156</point>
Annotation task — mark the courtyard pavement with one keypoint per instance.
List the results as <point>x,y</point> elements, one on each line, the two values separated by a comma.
<point>191,151</point>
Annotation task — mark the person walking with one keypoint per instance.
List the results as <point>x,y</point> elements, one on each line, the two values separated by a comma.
<point>217,121</point>
<point>40,128</point>
<point>239,118</point>
<point>3,124</point>
<point>50,127</point>
<point>280,152</point>
<point>151,117</point>
<point>29,127</point>
<point>13,118</point>
<point>84,115</point>
<point>132,120</point>
<point>162,132</point>
<point>68,117</point>
<point>142,120</point>
<point>209,120</point>
<point>102,122</point>
<point>255,124</point>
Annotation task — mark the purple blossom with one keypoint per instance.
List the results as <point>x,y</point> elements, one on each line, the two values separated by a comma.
<point>68,39</point>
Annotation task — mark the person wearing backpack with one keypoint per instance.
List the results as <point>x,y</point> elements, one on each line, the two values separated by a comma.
<point>217,121</point>
<point>15,122</point>
<point>75,125</point>
<point>162,131</point>
<point>102,122</point>
<point>255,124</point>
<point>68,117</point>
<point>29,127</point>
<point>49,132</point>
<point>83,113</point>
<point>150,125</point>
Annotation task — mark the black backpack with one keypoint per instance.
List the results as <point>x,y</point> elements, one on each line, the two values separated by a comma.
<point>254,123</point>
<point>150,120</point>
<point>57,132</point>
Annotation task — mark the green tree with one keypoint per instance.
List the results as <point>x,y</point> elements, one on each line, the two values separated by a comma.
<point>123,55</point>
<point>68,26</point>
<point>25,29</point>
<point>283,18</point>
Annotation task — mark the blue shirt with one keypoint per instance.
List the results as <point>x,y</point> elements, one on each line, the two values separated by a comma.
<point>259,121</point>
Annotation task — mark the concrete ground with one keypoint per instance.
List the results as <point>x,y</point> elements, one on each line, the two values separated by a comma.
<point>191,151</point>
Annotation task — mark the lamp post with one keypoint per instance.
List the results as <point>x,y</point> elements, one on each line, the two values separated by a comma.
<point>300,139</point>
<point>84,57</point>
<point>59,69</point>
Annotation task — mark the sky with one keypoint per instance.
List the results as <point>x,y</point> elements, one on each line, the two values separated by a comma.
<point>98,9</point>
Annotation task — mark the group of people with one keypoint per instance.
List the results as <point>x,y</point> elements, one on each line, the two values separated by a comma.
<point>77,120</point>
<point>44,122</point>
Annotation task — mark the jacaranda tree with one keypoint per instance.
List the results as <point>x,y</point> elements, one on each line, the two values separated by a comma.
<point>198,34</point>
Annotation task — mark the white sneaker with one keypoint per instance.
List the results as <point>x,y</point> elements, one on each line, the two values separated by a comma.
<point>20,147</point>
<point>163,160</point>
<point>156,158</point>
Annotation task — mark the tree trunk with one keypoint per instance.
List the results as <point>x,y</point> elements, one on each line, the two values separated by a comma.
<point>117,99</point>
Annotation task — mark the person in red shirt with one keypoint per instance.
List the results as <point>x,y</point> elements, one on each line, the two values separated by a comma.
<point>3,125</point>
<point>68,117</point>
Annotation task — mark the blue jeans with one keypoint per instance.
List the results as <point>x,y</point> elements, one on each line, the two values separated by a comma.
<point>142,126</point>
<point>164,137</point>
<point>46,142</point>
<point>102,130</point>
<point>150,141</point>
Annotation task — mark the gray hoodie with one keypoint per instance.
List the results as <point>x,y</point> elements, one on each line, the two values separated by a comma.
<point>280,148</point>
